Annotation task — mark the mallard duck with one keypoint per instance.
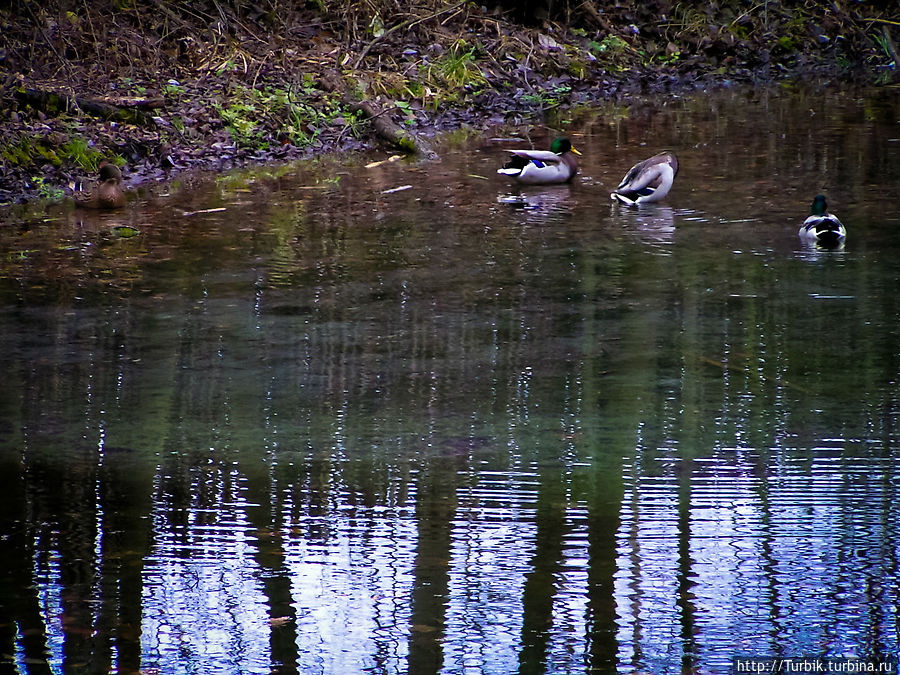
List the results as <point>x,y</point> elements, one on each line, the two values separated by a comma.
<point>647,181</point>
<point>821,226</point>
<point>107,194</point>
<point>542,167</point>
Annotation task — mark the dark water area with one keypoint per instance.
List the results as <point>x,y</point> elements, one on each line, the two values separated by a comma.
<point>305,422</point>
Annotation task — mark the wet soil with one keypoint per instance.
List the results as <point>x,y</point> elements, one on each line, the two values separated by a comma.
<point>162,87</point>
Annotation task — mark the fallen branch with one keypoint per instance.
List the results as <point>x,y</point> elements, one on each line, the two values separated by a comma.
<point>386,128</point>
<point>130,111</point>
<point>889,45</point>
<point>194,213</point>
<point>396,189</point>
<point>887,21</point>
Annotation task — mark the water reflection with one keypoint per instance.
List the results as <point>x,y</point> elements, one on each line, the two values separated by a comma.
<point>751,537</point>
<point>540,203</point>
<point>653,224</point>
<point>337,428</point>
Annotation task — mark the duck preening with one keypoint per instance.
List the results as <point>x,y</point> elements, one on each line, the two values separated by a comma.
<point>108,193</point>
<point>647,181</point>
<point>822,227</point>
<point>543,167</point>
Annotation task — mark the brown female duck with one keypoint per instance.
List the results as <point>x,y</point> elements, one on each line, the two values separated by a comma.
<point>108,193</point>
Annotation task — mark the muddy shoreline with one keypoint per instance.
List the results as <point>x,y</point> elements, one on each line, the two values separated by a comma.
<point>161,91</point>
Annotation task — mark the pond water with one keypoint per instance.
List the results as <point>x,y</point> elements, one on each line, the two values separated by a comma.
<point>305,422</point>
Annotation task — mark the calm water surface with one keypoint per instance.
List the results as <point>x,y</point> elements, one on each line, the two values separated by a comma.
<point>335,428</point>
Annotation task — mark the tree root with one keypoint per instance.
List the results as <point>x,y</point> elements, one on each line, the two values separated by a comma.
<point>384,126</point>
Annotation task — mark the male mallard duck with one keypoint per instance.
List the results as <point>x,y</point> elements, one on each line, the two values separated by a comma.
<point>821,226</point>
<point>107,194</point>
<point>542,167</point>
<point>648,181</point>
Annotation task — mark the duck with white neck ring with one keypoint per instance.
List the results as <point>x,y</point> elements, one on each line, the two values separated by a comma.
<point>821,226</point>
<point>543,167</point>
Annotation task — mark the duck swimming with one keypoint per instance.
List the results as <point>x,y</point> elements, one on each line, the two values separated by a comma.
<point>647,181</point>
<point>109,193</point>
<point>822,227</point>
<point>543,167</point>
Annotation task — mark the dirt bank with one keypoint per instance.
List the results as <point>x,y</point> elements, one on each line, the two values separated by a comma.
<point>160,87</point>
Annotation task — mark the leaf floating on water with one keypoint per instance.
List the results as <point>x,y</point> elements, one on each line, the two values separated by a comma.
<point>397,189</point>
<point>125,231</point>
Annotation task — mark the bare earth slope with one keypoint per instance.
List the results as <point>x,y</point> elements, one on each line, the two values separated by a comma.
<point>160,87</point>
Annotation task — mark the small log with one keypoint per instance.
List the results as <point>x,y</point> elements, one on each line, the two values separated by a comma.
<point>53,103</point>
<point>386,128</point>
<point>140,102</point>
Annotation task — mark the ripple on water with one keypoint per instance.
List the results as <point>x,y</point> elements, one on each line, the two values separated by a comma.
<point>349,587</point>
